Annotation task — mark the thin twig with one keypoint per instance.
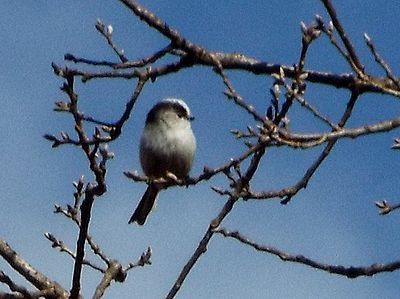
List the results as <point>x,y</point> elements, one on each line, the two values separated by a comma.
<point>288,193</point>
<point>125,65</point>
<point>234,95</point>
<point>350,272</point>
<point>355,62</point>
<point>385,207</point>
<point>312,140</point>
<point>381,61</point>
<point>208,173</point>
<point>315,112</point>
<point>201,248</point>
<point>240,185</point>
<point>145,61</point>
<point>145,259</point>
<point>63,248</point>
<point>106,32</point>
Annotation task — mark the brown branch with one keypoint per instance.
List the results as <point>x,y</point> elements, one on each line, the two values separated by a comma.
<point>241,62</point>
<point>381,61</point>
<point>189,55</point>
<point>312,140</point>
<point>145,259</point>
<point>91,148</point>
<point>38,279</point>
<point>396,144</point>
<point>73,214</point>
<point>202,56</point>
<point>173,35</point>
<point>289,192</point>
<point>4,295</point>
<point>346,81</point>
<point>232,94</point>
<point>129,107</point>
<point>355,62</point>
<point>63,248</point>
<point>113,272</point>
<point>207,173</point>
<point>92,189</point>
<point>36,295</point>
<point>329,31</point>
<point>14,287</point>
<point>240,185</point>
<point>196,54</point>
<point>201,248</point>
<point>311,170</point>
<point>315,112</point>
<point>87,75</point>
<point>385,207</point>
<point>106,32</point>
<point>80,245</point>
<point>125,65</point>
<point>146,60</point>
<point>113,129</point>
<point>350,272</point>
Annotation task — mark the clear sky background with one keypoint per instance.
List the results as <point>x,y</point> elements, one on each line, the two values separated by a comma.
<point>333,221</point>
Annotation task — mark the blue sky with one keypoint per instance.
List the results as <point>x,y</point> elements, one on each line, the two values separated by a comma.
<point>333,221</point>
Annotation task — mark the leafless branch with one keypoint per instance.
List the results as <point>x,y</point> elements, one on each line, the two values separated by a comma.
<point>270,130</point>
<point>143,260</point>
<point>242,62</point>
<point>107,31</point>
<point>354,60</point>
<point>396,144</point>
<point>63,248</point>
<point>113,272</point>
<point>380,60</point>
<point>312,140</point>
<point>350,272</point>
<point>385,207</point>
<point>241,184</point>
<point>22,291</point>
<point>207,173</point>
<point>92,189</point>
<point>315,112</point>
<point>288,193</point>
<point>125,65</point>
<point>35,277</point>
<point>73,214</point>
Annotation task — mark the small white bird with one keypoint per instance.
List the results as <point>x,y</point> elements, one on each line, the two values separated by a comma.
<point>167,146</point>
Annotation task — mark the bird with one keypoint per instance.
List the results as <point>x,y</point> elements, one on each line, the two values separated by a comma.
<point>167,146</point>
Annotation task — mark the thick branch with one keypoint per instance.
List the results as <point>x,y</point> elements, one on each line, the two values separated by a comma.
<point>32,275</point>
<point>242,62</point>
<point>22,291</point>
<point>114,272</point>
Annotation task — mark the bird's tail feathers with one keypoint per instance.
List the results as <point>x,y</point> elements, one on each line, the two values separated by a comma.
<point>145,206</point>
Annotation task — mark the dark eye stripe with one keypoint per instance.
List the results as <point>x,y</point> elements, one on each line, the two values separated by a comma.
<point>180,111</point>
